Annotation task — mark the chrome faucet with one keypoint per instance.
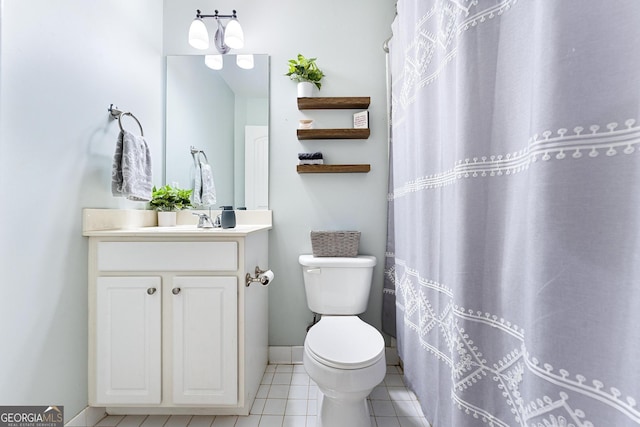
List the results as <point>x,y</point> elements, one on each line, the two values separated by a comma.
<point>204,220</point>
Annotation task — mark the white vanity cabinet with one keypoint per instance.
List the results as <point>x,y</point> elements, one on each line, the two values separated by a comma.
<point>202,316</point>
<point>173,328</point>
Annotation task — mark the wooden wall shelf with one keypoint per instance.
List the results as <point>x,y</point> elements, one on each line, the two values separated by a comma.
<point>333,168</point>
<point>333,133</point>
<point>334,103</point>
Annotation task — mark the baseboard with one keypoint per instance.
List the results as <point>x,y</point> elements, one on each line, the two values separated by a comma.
<point>293,355</point>
<point>89,416</point>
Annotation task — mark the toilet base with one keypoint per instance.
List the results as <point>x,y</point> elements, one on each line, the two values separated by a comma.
<point>343,388</point>
<point>342,412</point>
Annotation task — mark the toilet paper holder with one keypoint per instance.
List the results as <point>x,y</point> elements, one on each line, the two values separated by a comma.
<point>263,277</point>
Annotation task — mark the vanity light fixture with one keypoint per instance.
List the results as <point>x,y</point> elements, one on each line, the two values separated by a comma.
<point>245,61</point>
<point>213,61</point>
<point>226,37</point>
<point>198,34</point>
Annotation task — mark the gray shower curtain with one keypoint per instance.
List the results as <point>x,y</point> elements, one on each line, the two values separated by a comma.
<point>513,259</point>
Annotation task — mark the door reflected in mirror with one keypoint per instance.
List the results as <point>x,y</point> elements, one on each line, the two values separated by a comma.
<point>224,113</point>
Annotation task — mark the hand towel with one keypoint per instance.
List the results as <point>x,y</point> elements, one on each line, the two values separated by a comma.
<point>196,194</point>
<point>204,189</point>
<point>208,195</point>
<point>131,172</point>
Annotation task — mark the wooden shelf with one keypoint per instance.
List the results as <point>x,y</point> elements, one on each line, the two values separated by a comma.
<point>333,168</point>
<point>334,103</point>
<point>333,133</point>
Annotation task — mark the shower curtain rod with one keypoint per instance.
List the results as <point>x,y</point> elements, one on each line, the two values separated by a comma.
<point>385,44</point>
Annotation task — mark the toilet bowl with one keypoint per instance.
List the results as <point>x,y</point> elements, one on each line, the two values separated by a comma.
<point>345,357</point>
<point>342,354</point>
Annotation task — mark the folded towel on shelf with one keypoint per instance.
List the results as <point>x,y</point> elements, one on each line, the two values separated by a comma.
<point>204,189</point>
<point>131,173</point>
<point>310,156</point>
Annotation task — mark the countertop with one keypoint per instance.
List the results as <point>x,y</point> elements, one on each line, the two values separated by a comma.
<point>143,223</point>
<point>179,231</point>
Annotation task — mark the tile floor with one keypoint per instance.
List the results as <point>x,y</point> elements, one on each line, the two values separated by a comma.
<point>287,398</point>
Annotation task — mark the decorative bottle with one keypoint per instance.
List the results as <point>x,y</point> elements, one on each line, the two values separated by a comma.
<point>228,218</point>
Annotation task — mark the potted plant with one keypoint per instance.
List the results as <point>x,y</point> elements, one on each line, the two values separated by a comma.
<point>167,200</point>
<point>306,73</point>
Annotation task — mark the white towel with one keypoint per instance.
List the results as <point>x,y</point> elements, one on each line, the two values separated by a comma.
<point>196,194</point>
<point>131,173</point>
<point>204,189</point>
<point>208,187</point>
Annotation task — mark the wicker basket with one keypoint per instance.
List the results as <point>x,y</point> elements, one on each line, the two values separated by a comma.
<point>335,243</point>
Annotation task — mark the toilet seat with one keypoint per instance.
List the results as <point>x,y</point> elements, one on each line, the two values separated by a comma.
<point>344,342</point>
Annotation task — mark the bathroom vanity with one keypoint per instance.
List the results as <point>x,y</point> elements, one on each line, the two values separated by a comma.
<point>173,328</point>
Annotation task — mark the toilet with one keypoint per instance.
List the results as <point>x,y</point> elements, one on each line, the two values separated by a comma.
<point>342,354</point>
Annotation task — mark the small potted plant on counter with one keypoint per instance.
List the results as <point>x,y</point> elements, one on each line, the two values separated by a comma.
<point>167,200</point>
<point>306,73</point>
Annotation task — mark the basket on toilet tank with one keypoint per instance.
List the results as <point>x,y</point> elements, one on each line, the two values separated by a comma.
<point>335,243</point>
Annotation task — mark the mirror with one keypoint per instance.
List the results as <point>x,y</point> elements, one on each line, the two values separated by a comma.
<point>224,113</point>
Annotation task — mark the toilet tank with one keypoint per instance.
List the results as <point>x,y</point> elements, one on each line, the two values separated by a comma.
<point>338,286</point>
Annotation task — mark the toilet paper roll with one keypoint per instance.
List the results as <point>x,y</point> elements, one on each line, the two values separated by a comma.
<point>266,277</point>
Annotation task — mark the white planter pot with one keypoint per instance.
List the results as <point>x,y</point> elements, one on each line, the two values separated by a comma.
<point>167,219</point>
<point>305,89</point>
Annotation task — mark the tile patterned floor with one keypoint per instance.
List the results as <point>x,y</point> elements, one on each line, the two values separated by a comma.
<point>287,398</point>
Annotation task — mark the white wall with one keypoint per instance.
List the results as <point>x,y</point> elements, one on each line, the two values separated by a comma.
<point>347,38</point>
<point>62,64</point>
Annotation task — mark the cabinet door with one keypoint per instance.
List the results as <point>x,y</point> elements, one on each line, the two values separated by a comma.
<point>205,340</point>
<point>128,339</point>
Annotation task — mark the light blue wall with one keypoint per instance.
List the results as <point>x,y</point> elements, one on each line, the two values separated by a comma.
<point>347,38</point>
<point>62,64</point>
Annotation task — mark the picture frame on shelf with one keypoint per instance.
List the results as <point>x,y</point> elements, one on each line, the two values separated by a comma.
<point>361,120</point>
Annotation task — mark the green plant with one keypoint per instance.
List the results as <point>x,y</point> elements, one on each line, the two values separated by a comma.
<point>305,70</point>
<point>168,198</point>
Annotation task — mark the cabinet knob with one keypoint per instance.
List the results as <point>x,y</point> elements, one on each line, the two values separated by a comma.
<point>151,291</point>
<point>175,291</point>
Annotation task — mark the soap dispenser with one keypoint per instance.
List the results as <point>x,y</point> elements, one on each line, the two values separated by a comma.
<point>228,217</point>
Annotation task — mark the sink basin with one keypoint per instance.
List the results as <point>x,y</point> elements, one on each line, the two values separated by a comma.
<point>194,229</point>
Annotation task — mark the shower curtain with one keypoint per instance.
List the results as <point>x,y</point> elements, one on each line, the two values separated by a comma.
<point>513,259</point>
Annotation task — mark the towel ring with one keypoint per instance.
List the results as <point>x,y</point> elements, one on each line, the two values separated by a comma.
<point>134,118</point>
<point>195,152</point>
<point>202,154</point>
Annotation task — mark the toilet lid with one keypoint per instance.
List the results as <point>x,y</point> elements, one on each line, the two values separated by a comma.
<point>344,342</point>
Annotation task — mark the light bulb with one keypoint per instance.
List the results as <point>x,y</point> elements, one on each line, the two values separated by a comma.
<point>233,35</point>
<point>245,61</point>
<point>213,61</point>
<point>198,35</point>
